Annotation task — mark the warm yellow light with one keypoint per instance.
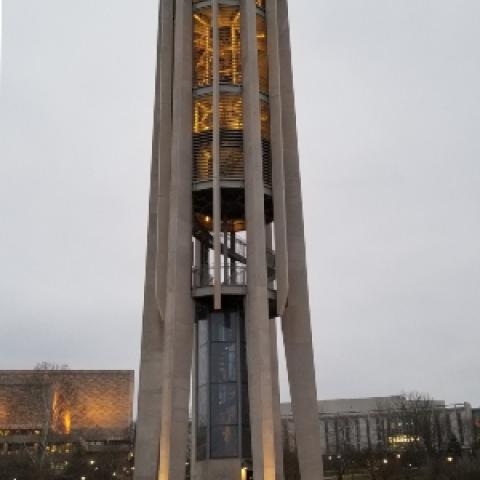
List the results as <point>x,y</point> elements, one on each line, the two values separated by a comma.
<point>67,422</point>
<point>403,439</point>
<point>450,459</point>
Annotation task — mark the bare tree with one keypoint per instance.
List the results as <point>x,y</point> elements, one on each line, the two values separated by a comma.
<point>55,395</point>
<point>47,366</point>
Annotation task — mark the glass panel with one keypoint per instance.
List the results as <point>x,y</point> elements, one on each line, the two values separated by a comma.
<point>224,408</point>
<point>224,362</point>
<point>223,327</point>
<point>202,367</point>
<point>202,114</point>
<point>229,45</point>
<point>231,112</point>
<point>224,442</point>
<point>202,422</point>
<point>202,139</point>
<point>202,47</point>
<point>202,331</point>
<point>262,53</point>
<point>265,119</point>
<point>202,405</point>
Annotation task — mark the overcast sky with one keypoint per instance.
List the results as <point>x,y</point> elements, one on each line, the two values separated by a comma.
<point>388,103</point>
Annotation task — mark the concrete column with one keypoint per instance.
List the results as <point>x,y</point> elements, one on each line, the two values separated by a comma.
<point>179,312</point>
<point>149,401</point>
<point>296,321</point>
<point>276,139</point>
<point>217,209</point>
<point>277,422</point>
<point>257,315</point>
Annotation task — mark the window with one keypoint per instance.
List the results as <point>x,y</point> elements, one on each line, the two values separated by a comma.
<point>224,442</point>
<point>224,362</point>
<point>223,327</point>
<point>224,404</point>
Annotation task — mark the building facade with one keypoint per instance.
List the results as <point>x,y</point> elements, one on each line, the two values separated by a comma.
<point>225,250</point>
<point>390,424</point>
<point>54,411</point>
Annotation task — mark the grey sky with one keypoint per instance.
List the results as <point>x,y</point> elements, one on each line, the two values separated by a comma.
<point>389,121</point>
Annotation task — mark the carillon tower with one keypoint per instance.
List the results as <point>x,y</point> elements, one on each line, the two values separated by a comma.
<point>225,251</point>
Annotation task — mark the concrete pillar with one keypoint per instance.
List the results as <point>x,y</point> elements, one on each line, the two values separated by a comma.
<point>151,364</point>
<point>296,321</point>
<point>277,421</point>
<point>278,174</point>
<point>257,315</point>
<point>179,311</point>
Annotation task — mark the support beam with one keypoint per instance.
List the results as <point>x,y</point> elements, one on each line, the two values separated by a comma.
<point>296,324</point>
<point>278,175</point>
<point>151,363</point>
<point>179,313</point>
<point>277,420</point>
<point>217,209</point>
<point>257,317</point>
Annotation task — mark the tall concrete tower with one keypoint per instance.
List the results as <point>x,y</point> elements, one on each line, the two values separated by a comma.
<point>226,251</point>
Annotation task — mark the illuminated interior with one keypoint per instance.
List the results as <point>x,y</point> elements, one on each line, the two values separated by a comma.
<point>231,114</point>
<point>262,53</point>
<point>202,48</point>
<point>229,45</point>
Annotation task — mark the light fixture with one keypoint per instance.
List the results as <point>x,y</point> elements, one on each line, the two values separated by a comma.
<point>385,461</point>
<point>92,462</point>
<point>449,459</point>
<point>398,456</point>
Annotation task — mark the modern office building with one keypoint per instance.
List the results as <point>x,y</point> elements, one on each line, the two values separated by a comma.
<point>389,424</point>
<point>476,428</point>
<point>57,410</point>
<point>226,251</point>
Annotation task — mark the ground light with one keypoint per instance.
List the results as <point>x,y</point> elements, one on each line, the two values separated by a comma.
<point>244,473</point>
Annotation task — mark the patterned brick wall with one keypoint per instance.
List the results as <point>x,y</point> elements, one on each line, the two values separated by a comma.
<point>68,401</point>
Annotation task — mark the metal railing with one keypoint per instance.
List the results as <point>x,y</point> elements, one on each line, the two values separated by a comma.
<point>230,275</point>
